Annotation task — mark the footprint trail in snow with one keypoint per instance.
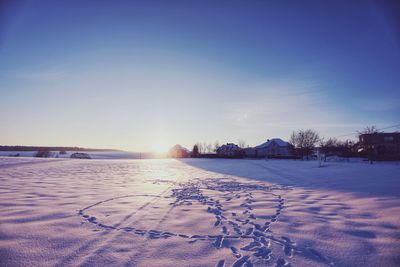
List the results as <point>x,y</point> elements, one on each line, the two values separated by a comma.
<point>240,217</point>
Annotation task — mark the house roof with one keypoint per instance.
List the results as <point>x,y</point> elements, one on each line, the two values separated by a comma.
<point>278,141</point>
<point>228,147</point>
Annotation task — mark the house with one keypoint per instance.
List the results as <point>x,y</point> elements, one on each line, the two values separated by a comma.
<point>275,147</point>
<point>178,151</point>
<point>250,152</point>
<point>230,150</point>
<point>380,145</point>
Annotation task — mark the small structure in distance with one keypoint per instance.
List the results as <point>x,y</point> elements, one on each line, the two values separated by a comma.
<point>79,155</point>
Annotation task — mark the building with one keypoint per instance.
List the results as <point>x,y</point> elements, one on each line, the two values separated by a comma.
<point>230,150</point>
<point>250,152</point>
<point>380,145</point>
<point>275,147</point>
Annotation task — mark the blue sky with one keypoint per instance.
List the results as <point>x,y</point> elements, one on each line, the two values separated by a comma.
<point>141,75</point>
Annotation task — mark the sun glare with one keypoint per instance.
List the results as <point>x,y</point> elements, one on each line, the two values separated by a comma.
<point>160,148</point>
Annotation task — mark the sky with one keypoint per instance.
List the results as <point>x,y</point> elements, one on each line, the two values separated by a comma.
<point>145,75</point>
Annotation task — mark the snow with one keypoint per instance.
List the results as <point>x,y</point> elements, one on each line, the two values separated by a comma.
<point>92,154</point>
<point>198,212</point>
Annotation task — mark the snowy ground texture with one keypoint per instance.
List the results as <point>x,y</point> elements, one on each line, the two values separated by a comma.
<point>198,212</point>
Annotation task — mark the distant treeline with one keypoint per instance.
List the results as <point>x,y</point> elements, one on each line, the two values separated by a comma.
<point>51,148</point>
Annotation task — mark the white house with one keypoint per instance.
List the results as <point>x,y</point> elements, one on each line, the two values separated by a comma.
<point>229,150</point>
<point>275,147</point>
<point>250,152</point>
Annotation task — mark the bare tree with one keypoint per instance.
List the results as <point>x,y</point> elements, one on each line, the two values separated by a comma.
<point>304,141</point>
<point>328,146</point>
<point>209,148</point>
<point>204,147</point>
<point>200,147</point>
<point>369,130</point>
<point>330,142</point>
<point>216,146</point>
<point>241,143</point>
<point>195,151</point>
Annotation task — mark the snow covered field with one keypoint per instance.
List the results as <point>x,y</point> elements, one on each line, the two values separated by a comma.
<point>198,212</point>
<point>92,154</point>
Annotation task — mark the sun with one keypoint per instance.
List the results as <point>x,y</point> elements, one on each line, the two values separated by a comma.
<point>160,148</point>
